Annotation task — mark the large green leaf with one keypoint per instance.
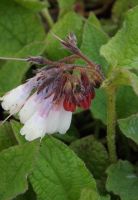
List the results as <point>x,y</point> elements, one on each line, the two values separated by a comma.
<point>71,22</point>
<point>7,138</point>
<point>59,174</point>
<point>65,6</point>
<point>16,164</point>
<point>122,180</point>
<point>18,68</point>
<point>18,28</point>
<point>129,127</point>
<point>122,49</point>
<point>93,153</point>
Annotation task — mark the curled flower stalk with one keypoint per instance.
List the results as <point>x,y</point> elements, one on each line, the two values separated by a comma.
<point>45,103</point>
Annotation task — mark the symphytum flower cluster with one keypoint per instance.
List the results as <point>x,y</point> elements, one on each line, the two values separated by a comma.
<point>45,103</point>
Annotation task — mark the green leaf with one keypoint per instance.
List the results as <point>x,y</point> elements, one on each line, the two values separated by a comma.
<point>121,50</point>
<point>92,40</point>
<point>93,153</point>
<point>89,194</point>
<point>65,6</point>
<point>71,22</point>
<point>16,164</point>
<point>16,126</point>
<point>122,180</point>
<point>35,5</point>
<point>107,197</point>
<point>129,127</point>
<point>121,6</point>
<point>18,68</point>
<point>94,21</point>
<point>99,105</point>
<point>18,28</point>
<point>7,138</point>
<point>59,173</point>
<point>127,102</point>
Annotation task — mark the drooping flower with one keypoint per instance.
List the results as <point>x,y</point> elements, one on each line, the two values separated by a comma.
<point>45,102</point>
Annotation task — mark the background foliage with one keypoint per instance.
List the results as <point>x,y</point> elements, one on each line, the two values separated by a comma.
<point>88,162</point>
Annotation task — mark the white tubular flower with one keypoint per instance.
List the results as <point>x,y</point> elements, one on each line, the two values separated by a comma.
<point>14,100</point>
<point>30,107</point>
<point>46,120</point>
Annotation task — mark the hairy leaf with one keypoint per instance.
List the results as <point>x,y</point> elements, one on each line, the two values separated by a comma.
<point>15,165</point>
<point>121,50</point>
<point>59,173</point>
<point>92,153</point>
<point>122,180</point>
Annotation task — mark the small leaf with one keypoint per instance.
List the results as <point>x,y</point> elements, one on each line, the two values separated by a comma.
<point>121,50</point>
<point>35,5</point>
<point>92,40</point>
<point>16,163</point>
<point>129,127</point>
<point>71,22</point>
<point>59,173</point>
<point>7,138</point>
<point>93,153</point>
<point>122,180</point>
<point>65,6</point>
<point>16,126</point>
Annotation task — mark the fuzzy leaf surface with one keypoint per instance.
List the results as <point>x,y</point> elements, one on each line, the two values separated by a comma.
<point>59,174</point>
<point>16,164</point>
<point>121,50</point>
<point>122,180</point>
<point>93,153</point>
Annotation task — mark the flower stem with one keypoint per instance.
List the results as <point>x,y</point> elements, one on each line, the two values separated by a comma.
<point>47,16</point>
<point>111,123</point>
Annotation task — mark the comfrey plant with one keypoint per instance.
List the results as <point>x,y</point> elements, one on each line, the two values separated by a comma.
<point>45,102</point>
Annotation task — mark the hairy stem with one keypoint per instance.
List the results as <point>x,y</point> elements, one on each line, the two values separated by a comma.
<point>111,123</point>
<point>47,16</point>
